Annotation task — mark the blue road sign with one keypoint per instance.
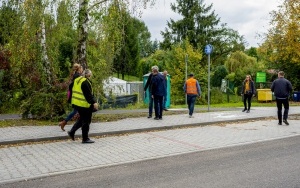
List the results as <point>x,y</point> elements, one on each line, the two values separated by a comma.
<point>208,49</point>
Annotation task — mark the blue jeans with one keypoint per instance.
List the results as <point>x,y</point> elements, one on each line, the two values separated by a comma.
<point>71,115</point>
<point>191,103</point>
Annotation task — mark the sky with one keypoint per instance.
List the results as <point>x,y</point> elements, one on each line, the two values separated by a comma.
<point>248,17</point>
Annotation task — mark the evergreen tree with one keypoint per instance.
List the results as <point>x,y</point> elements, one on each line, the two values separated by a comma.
<point>200,25</point>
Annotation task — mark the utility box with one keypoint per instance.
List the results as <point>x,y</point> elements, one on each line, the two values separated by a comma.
<point>296,96</point>
<point>147,94</point>
<point>264,95</point>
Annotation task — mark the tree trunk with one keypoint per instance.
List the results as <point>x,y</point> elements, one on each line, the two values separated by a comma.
<point>45,58</point>
<point>83,33</point>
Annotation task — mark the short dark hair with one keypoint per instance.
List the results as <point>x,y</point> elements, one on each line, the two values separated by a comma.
<point>191,74</point>
<point>281,73</point>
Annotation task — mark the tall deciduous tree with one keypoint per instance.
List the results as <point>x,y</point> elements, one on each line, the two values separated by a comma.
<point>83,18</point>
<point>282,45</point>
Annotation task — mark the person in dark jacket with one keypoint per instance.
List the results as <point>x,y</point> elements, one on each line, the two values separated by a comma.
<point>77,71</point>
<point>85,103</point>
<point>158,92</point>
<point>282,89</point>
<point>149,85</point>
<point>248,91</point>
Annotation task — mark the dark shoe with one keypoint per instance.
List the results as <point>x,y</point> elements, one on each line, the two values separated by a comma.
<point>160,118</point>
<point>244,110</point>
<point>248,111</point>
<point>72,136</point>
<point>88,141</point>
<point>62,124</point>
<point>149,116</point>
<point>279,123</point>
<point>156,118</point>
<point>286,122</point>
<point>166,109</point>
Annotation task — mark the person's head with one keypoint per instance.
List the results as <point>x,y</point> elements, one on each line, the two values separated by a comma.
<point>165,73</point>
<point>87,73</point>
<point>77,67</point>
<point>248,78</point>
<point>155,69</point>
<point>191,75</point>
<point>280,74</point>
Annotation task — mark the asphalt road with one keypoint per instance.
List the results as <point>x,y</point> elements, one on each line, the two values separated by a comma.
<point>264,164</point>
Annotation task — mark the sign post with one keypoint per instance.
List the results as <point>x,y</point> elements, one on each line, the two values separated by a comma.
<point>208,50</point>
<point>186,61</point>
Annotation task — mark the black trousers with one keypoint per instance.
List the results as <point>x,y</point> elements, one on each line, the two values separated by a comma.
<point>247,98</point>
<point>158,106</point>
<point>285,103</point>
<point>83,122</point>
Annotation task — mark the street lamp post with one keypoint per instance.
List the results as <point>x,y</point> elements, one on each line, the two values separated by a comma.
<point>186,61</point>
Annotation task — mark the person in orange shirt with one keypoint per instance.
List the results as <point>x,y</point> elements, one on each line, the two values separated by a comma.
<point>248,90</point>
<point>192,90</point>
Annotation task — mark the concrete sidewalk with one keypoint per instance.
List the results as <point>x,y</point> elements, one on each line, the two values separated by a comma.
<point>15,135</point>
<point>39,160</point>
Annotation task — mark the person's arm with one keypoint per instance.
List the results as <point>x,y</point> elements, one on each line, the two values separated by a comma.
<point>290,86</point>
<point>273,86</point>
<point>148,82</point>
<point>243,88</point>
<point>253,89</point>
<point>87,92</point>
<point>198,88</point>
<point>184,87</point>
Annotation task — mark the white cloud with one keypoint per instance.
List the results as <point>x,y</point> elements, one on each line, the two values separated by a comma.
<point>248,17</point>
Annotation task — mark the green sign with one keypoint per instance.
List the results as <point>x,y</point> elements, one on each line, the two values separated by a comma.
<point>260,77</point>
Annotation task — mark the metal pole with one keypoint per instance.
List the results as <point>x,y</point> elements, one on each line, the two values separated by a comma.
<point>208,91</point>
<point>186,59</point>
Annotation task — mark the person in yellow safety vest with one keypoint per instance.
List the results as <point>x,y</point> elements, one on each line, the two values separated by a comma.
<point>192,89</point>
<point>85,103</point>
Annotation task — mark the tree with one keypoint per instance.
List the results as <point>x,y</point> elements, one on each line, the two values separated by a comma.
<point>84,10</point>
<point>176,65</point>
<point>239,65</point>
<point>144,38</point>
<point>200,25</point>
<point>219,74</point>
<point>282,45</point>
<point>125,61</point>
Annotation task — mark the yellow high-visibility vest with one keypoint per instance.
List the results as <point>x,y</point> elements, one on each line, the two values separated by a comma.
<point>78,98</point>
